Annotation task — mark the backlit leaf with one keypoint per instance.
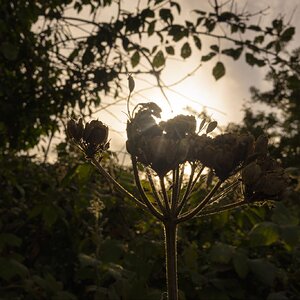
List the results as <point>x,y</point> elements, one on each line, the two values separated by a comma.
<point>218,70</point>
<point>185,50</point>
<point>159,59</point>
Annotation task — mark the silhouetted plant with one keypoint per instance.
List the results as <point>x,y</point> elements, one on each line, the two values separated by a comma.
<point>237,167</point>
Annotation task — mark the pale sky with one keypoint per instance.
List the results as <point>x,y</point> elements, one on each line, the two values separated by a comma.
<point>223,99</point>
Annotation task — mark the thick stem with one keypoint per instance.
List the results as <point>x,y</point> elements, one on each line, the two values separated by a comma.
<point>171,259</point>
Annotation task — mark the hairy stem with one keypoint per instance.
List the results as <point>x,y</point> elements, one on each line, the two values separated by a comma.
<point>118,187</point>
<point>170,229</point>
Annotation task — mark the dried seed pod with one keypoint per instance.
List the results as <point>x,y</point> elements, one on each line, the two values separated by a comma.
<point>211,126</point>
<point>131,83</point>
<point>251,173</point>
<point>75,129</point>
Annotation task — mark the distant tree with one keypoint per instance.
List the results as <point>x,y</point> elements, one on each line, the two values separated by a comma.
<point>282,117</point>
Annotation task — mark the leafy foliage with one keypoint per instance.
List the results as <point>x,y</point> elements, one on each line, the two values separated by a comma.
<point>53,247</point>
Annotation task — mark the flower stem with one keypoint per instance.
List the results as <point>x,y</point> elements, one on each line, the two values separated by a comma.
<point>170,229</point>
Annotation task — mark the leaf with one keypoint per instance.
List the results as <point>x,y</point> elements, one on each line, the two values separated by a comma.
<point>283,216</point>
<point>178,7</point>
<point>290,235</point>
<point>210,25</point>
<point>84,172</point>
<point>214,48</point>
<point>218,70</point>
<point>190,256</point>
<point>221,253</point>
<point>170,50</point>
<point>197,42</point>
<point>240,263</point>
<point>287,34</point>
<point>159,59</point>
<point>254,27</point>
<point>9,239</point>
<point>263,270</point>
<point>185,50</point>
<point>264,234</point>
<point>208,57</point>
<point>166,15</point>
<point>259,39</point>
<point>50,215</point>
<point>147,13</point>
<point>135,59</point>
<point>9,50</point>
<point>11,268</point>
<point>151,28</point>
<point>211,126</point>
<point>252,60</point>
<point>234,53</point>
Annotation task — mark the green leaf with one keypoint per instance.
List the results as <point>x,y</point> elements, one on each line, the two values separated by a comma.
<point>252,60</point>
<point>221,253</point>
<point>240,263</point>
<point>197,42</point>
<point>170,50</point>
<point>147,13</point>
<point>214,48</point>
<point>234,53</point>
<point>210,25</point>
<point>291,235</point>
<point>166,15</point>
<point>218,70</point>
<point>263,270</point>
<point>159,59</point>
<point>151,28</point>
<point>208,57</point>
<point>283,216</point>
<point>227,16</point>
<point>254,27</point>
<point>190,256</point>
<point>186,50</point>
<point>177,32</point>
<point>259,39</point>
<point>9,240</point>
<point>11,268</point>
<point>9,51</point>
<point>135,59</point>
<point>178,7</point>
<point>84,172</point>
<point>264,234</point>
<point>287,34</point>
<point>50,215</point>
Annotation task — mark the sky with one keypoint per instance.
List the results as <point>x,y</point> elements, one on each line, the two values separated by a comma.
<point>223,99</point>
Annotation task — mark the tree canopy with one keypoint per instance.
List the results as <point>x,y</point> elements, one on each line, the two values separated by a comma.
<point>54,62</point>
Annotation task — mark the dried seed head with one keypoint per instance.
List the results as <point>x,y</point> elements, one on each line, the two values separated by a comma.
<point>268,181</point>
<point>75,129</point>
<point>131,83</point>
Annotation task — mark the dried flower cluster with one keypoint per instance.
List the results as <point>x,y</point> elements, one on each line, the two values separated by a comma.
<point>170,146</point>
<point>91,138</point>
<point>165,145</point>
